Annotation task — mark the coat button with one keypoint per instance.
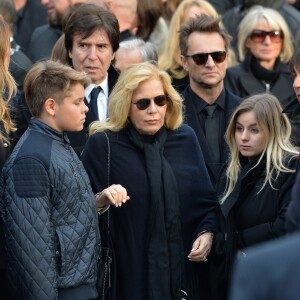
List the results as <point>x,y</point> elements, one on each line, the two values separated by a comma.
<point>57,253</point>
<point>5,145</point>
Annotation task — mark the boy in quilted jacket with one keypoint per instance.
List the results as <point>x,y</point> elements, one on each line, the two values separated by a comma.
<point>47,205</point>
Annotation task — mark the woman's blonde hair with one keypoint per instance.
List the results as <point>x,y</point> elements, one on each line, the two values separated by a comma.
<point>120,100</point>
<point>170,59</point>
<point>7,83</point>
<point>274,20</point>
<point>277,130</point>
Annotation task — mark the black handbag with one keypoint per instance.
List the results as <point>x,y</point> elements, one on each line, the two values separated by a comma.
<point>105,267</point>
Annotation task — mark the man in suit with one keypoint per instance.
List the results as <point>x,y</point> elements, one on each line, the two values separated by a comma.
<point>270,271</point>
<point>208,105</point>
<point>91,40</point>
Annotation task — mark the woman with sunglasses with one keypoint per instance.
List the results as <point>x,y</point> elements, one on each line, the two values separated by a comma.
<point>265,48</point>
<point>169,220</point>
<point>255,189</point>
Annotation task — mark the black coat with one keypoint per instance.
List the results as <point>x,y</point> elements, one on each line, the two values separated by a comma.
<point>241,81</point>
<point>293,112</point>
<point>191,118</point>
<point>129,222</point>
<point>42,42</point>
<point>78,139</point>
<point>249,216</point>
<point>269,272</point>
<point>32,15</point>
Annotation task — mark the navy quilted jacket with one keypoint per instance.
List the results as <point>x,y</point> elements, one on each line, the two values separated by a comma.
<point>50,216</point>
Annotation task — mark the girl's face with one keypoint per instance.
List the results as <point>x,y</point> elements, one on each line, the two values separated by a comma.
<point>249,138</point>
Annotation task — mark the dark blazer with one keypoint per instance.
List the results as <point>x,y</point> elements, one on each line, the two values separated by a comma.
<point>191,118</point>
<point>249,216</point>
<point>32,15</point>
<point>269,272</point>
<point>78,139</point>
<point>42,42</point>
<point>21,116</point>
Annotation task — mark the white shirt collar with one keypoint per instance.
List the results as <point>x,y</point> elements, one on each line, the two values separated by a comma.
<point>103,85</point>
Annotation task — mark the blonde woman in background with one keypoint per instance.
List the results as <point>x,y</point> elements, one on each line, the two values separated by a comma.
<point>265,48</point>
<point>7,90</point>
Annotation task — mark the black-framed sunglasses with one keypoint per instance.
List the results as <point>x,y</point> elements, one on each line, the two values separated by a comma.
<point>144,103</point>
<point>258,36</point>
<point>201,58</point>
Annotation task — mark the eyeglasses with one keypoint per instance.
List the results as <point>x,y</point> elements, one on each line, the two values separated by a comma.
<point>258,36</point>
<point>144,103</point>
<point>201,58</point>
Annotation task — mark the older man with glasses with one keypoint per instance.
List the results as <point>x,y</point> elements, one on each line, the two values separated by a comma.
<point>204,52</point>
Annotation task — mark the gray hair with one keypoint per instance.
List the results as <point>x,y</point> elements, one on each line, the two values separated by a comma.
<point>147,49</point>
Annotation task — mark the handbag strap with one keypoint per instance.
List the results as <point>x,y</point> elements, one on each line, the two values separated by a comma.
<point>108,172</point>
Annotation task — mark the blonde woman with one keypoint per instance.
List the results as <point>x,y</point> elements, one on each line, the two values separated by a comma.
<point>256,189</point>
<point>157,162</point>
<point>265,48</point>
<point>7,89</point>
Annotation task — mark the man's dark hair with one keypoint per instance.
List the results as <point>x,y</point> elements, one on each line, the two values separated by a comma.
<point>85,19</point>
<point>202,23</point>
<point>295,61</point>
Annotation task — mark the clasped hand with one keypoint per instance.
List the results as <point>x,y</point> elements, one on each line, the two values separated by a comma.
<point>115,194</point>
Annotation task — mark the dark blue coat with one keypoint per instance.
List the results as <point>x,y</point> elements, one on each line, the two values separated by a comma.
<point>129,223</point>
<point>269,272</point>
<point>50,217</point>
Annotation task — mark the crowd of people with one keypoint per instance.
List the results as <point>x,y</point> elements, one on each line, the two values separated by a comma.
<point>149,149</point>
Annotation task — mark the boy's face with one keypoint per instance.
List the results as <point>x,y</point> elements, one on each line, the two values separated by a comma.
<point>70,113</point>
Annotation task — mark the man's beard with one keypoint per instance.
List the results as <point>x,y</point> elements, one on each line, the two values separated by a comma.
<point>55,19</point>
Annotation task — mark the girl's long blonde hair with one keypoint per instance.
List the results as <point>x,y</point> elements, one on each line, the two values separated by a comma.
<point>277,130</point>
<point>7,83</point>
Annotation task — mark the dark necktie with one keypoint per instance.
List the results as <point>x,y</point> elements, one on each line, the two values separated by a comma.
<point>212,131</point>
<point>93,101</point>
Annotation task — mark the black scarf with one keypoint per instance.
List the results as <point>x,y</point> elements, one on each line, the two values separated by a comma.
<point>263,74</point>
<point>165,251</point>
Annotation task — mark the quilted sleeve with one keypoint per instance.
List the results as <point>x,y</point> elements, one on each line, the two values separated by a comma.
<point>28,228</point>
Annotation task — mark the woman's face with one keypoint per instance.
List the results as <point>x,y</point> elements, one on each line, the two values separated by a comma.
<point>266,51</point>
<point>148,121</point>
<point>249,138</point>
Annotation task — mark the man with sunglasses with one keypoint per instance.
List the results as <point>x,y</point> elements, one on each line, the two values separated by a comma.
<point>208,105</point>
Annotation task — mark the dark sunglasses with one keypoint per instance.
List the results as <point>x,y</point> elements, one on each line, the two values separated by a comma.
<point>144,103</point>
<point>201,58</point>
<point>258,36</point>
